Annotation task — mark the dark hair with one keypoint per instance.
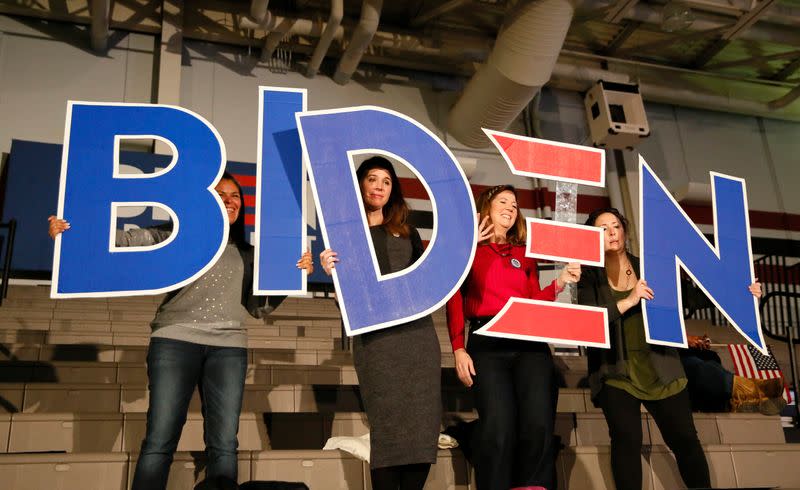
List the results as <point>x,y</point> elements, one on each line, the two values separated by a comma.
<point>597,212</point>
<point>395,212</point>
<point>236,231</point>
<point>517,234</point>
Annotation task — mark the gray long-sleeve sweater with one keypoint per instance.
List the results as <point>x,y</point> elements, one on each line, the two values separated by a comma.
<point>208,311</point>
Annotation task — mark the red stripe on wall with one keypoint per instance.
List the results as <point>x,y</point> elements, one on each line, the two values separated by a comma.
<point>541,197</point>
<point>526,198</point>
<point>245,180</point>
<point>768,220</point>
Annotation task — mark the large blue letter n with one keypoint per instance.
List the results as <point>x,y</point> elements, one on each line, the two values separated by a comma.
<point>670,241</point>
<point>87,261</point>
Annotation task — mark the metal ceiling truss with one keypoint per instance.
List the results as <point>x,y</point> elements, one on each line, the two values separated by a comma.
<point>787,71</point>
<point>684,37</point>
<point>435,12</point>
<point>617,11</point>
<point>610,31</point>
<point>742,24</point>
<point>754,59</point>
<point>622,36</point>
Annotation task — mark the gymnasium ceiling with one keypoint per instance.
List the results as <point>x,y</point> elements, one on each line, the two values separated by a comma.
<point>747,47</point>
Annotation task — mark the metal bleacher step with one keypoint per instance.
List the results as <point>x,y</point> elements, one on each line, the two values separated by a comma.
<point>115,431</point>
<point>323,470</point>
<point>89,471</point>
<point>92,352</point>
<point>582,467</point>
<point>290,398</point>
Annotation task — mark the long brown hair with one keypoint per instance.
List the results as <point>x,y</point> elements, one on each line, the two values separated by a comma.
<point>395,212</point>
<point>517,234</point>
<point>237,231</point>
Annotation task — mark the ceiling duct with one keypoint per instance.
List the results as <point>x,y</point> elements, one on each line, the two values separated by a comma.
<point>99,32</point>
<point>521,62</point>
<point>258,10</point>
<point>334,21</point>
<point>362,36</point>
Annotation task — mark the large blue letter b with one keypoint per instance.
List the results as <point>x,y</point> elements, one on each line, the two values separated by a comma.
<point>86,262</point>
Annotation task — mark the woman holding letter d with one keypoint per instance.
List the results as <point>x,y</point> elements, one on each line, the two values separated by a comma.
<point>399,368</point>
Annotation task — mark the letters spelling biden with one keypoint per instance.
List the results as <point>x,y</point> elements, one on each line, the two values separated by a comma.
<point>295,144</point>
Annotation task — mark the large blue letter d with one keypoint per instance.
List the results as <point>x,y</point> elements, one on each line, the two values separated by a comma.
<point>369,299</point>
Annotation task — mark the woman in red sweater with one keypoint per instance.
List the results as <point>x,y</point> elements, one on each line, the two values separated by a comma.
<point>513,380</point>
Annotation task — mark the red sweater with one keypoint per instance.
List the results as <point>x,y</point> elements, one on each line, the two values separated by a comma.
<point>492,280</point>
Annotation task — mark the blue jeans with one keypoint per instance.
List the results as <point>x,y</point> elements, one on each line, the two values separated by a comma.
<point>174,368</point>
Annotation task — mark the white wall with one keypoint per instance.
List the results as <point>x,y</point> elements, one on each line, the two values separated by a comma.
<point>685,144</point>
<point>39,72</point>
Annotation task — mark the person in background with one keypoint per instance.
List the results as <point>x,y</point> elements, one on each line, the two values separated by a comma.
<point>398,368</point>
<point>513,380</point>
<point>199,340</point>
<point>712,388</point>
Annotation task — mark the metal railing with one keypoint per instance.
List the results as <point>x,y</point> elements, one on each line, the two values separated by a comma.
<point>792,334</point>
<point>781,313</point>
<point>775,276</point>
<point>11,226</point>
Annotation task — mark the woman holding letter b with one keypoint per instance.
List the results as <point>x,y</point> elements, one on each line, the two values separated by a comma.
<point>198,339</point>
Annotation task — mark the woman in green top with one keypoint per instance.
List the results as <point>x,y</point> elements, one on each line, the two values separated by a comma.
<point>632,372</point>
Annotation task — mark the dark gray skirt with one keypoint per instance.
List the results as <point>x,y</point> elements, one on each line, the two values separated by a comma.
<point>399,374</point>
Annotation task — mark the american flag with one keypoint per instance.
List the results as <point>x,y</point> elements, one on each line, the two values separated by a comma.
<point>748,362</point>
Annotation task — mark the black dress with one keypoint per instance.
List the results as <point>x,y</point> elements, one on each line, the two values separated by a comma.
<point>399,373</point>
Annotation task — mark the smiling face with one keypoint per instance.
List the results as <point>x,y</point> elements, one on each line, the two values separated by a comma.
<point>376,187</point>
<point>503,211</point>
<point>614,236</point>
<point>229,193</point>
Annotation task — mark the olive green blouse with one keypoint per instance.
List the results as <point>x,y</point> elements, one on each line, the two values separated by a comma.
<point>642,380</point>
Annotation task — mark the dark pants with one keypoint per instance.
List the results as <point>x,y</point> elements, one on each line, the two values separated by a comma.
<point>516,396</point>
<point>673,416</point>
<point>710,384</point>
<point>174,368</point>
<point>403,477</point>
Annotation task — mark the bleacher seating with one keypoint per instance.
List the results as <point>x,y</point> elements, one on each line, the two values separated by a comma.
<point>73,397</point>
